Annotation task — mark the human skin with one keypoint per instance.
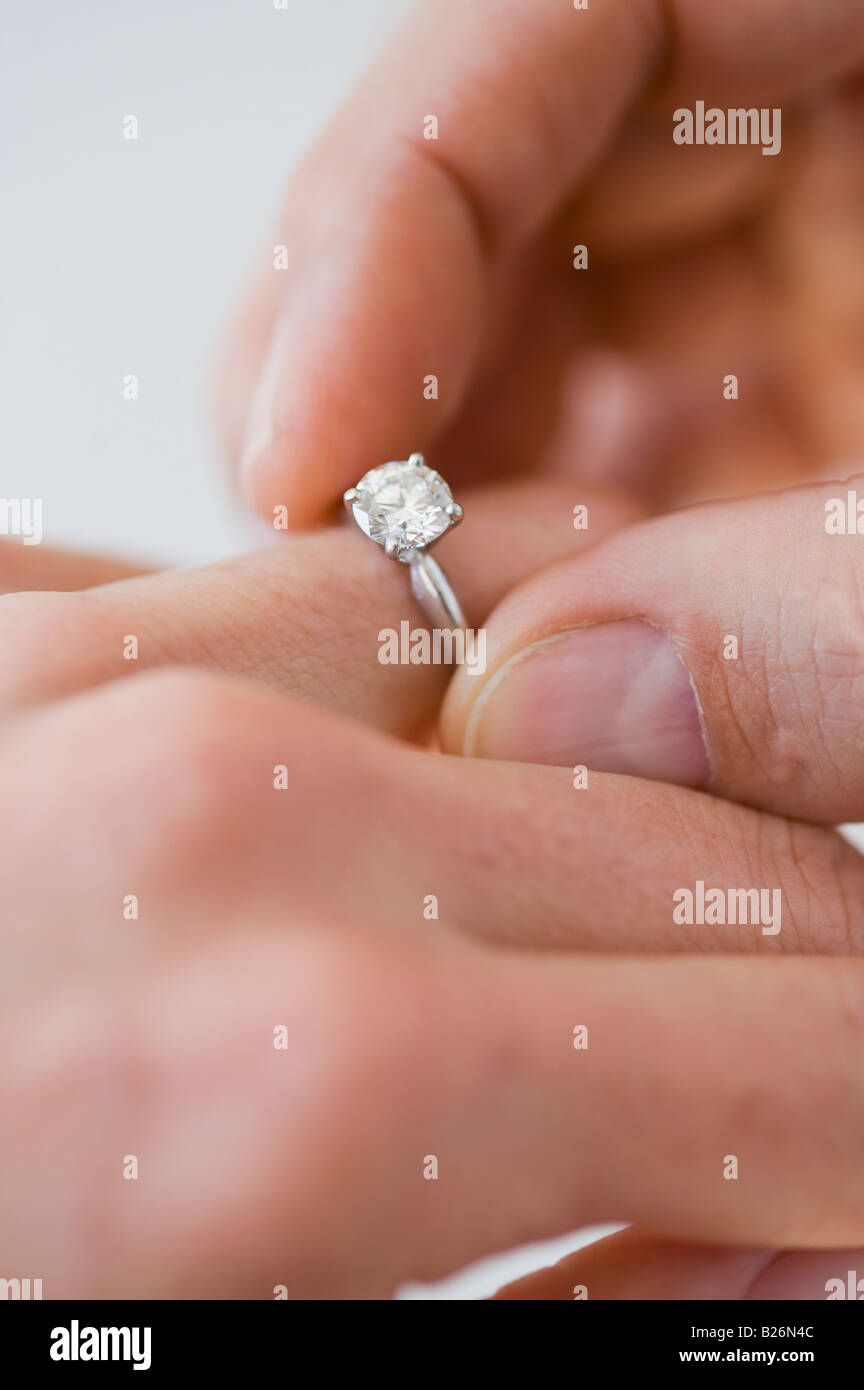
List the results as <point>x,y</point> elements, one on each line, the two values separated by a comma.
<point>304,908</point>
<point>454,257</point>
<point>259,908</point>
<point>408,256</point>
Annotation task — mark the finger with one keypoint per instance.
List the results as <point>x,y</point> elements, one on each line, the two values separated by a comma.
<point>720,646</point>
<point>817,239</point>
<point>305,615</point>
<point>635,1265</point>
<point>408,1056</point>
<point>29,568</point>
<point>650,413</point>
<point>193,799</point>
<point>366,318</point>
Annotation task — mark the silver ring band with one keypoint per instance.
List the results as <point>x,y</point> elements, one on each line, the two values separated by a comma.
<point>431,588</point>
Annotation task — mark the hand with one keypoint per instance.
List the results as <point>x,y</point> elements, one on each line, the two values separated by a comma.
<point>303,616</point>
<point>410,1038</point>
<point>453,257</point>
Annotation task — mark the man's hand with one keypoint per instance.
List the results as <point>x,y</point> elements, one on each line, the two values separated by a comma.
<point>410,258</point>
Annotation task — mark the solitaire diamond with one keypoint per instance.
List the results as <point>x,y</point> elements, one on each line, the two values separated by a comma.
<point>406,507</point>
<point>403,506</point>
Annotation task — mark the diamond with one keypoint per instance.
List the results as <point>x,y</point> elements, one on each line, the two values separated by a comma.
<point>403,506</point>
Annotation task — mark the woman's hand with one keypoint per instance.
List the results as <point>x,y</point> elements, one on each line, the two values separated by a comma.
<point>303,616</point>
<point>366,1019</point>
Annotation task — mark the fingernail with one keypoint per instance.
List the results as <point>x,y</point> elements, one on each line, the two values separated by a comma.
<point>615,698</point>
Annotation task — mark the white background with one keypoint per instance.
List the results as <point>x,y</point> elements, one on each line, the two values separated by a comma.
<point>123,257</point>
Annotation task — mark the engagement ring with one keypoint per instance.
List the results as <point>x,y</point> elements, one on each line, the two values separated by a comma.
<point>406,507</point>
